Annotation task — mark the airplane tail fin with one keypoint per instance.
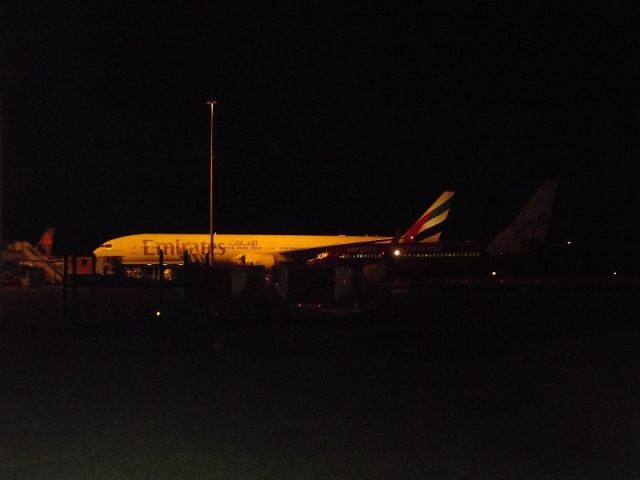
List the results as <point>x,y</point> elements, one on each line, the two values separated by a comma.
<point>45,244</point>
<point>428,228</point>
<point>528,230</point>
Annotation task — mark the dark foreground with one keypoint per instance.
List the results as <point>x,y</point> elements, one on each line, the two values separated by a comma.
<point>495,382</point>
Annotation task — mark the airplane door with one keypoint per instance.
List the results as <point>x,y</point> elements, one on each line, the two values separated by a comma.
<point>133,246</point>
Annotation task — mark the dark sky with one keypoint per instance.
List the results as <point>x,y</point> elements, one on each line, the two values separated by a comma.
<point>329,120</point>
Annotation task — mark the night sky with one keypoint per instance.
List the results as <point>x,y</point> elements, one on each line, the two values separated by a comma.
<point>329,120</point>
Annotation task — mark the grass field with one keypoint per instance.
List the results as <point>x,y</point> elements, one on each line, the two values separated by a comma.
<point>508,382</point>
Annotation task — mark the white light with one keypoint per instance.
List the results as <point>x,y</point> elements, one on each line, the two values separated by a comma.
<point>158,313</point>
<point>569,242</point>
<point>396,252</point>
<point>615,273</point>
<point>494,273</point>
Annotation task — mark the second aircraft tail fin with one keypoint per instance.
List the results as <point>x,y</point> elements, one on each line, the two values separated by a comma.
<point>45,244</point>
<point>529,229</point>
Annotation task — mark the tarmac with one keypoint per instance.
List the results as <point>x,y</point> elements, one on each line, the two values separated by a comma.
<point>501,380</point>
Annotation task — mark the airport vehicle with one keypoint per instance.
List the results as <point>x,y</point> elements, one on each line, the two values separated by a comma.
<point>245,249</point>
<point>402,257</point>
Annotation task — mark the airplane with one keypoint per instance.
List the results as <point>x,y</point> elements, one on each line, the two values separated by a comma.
<point>525,235</point>
<point>44,246</point>
<point>427,229</point>
<point>246,249</point>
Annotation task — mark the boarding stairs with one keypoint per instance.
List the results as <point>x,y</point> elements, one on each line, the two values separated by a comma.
<point>26,253</point>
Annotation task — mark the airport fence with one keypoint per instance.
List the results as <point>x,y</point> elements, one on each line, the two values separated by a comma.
<point>193,289</point>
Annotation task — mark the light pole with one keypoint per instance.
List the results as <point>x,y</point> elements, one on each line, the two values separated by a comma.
<point>211,104</point>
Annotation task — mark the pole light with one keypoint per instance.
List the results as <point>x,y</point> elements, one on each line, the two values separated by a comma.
<point>212,104</point>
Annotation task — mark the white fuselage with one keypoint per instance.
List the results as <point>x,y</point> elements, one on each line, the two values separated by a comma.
<point>265,250</point>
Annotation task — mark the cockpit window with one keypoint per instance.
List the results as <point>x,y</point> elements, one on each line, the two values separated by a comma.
<point>105,245</point>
